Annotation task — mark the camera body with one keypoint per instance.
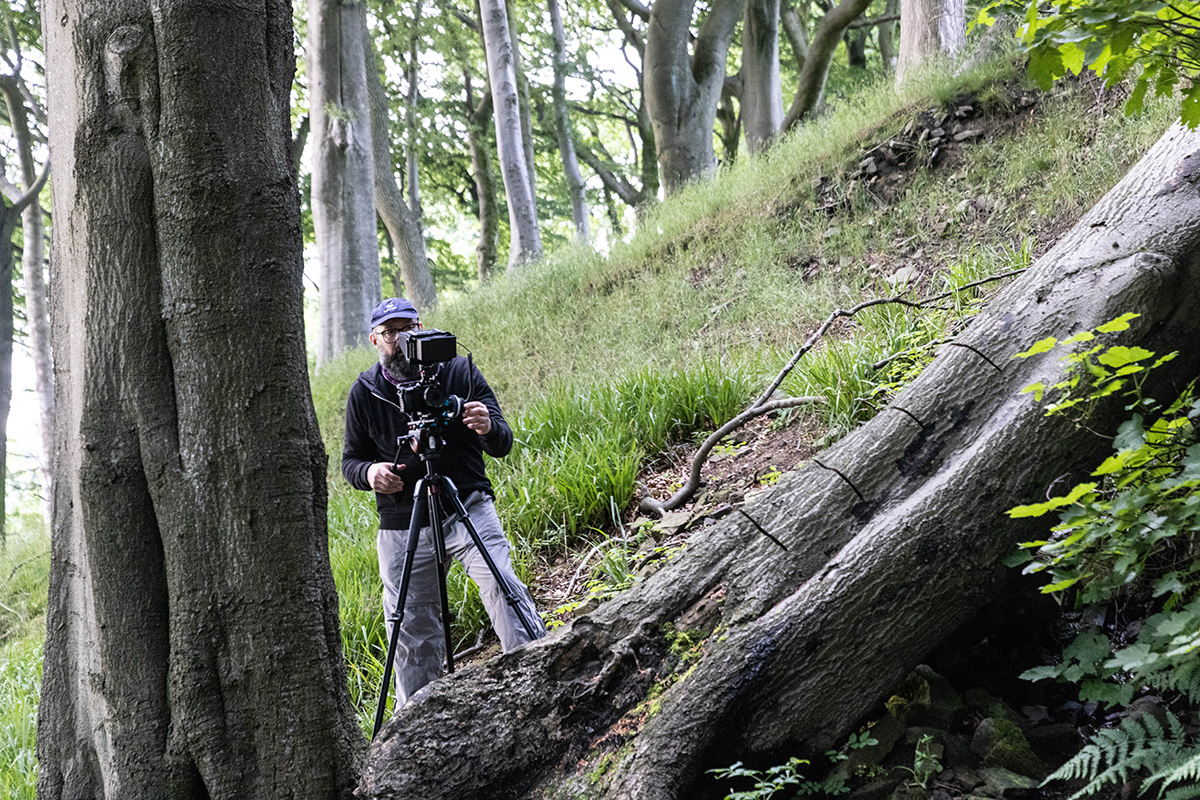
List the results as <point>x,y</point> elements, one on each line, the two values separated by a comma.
<point>426,401</point>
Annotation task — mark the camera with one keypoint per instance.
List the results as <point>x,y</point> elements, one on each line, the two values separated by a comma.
<point>430,347</point>
<point>426,402</point>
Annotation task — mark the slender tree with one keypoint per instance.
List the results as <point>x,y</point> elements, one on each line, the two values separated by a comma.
<point>20,103</point>
<point>562,126</point>
<point>343,176</point>
<point>402,219</point>
<point>479,117</point>
<point>192,645</point>
<point>525,242</point>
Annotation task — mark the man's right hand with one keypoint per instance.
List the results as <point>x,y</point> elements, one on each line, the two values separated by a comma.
<point>384,478</point>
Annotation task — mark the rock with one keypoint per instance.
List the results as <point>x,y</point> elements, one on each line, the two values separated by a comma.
<point>902,277</point>
<point>832,232</point>
<point>963,136</point>
<point>1006,783</point>
<point>672,522</point>
<point>1002,744</point>
<point>878,789</point>
<point>868,166</point>
<point>1055,743</point>
<point>1035,714</point>
<point>937,133</point>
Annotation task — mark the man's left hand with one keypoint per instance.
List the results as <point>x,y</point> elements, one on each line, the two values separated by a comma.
<point>476,417</point>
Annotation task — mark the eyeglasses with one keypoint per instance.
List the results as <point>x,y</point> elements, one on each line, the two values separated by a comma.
<point>392,334</point>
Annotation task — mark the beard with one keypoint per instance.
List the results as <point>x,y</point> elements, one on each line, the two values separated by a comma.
<point>399,367</point>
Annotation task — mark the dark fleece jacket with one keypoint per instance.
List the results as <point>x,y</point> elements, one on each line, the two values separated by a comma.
<point>375,422</point>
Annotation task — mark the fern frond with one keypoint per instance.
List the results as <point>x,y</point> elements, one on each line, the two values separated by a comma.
<point>1182,675</point>
<point>1116,753</point>
<point>1186,773</point>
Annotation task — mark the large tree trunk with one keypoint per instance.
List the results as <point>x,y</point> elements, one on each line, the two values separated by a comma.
<point>403,222</point>
<point>894,538</point>
<point>682,89</point>
<point>343,174</point>
<point>762,98</point>
<point>525,242</point>
<point>929,30</point>
<point>562,126</point>
<point>33,258</point>
<point>192,645</point>
<point>887,35</point>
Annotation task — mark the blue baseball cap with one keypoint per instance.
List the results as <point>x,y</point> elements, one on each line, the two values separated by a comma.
<point>393,308</point>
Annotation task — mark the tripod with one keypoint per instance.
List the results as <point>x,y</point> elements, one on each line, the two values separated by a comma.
<point>429,495</point>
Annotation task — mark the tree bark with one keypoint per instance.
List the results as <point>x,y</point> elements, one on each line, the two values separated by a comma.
<point>525,103</point>
<point>33,258</point>
<point>403,223</point>
<point>894,537</point>
<point>682,88</point>
<point>818,58</point>
<point>929,30</point>
<point>887,35</point>
<point>192,645</point>
<point>762,97</point>
<point>343,175</point>
<point>525,242</point>
<point>479,116</point>
<point>562,127</point>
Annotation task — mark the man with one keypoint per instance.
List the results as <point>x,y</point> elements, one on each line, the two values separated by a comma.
<point>375,424</point>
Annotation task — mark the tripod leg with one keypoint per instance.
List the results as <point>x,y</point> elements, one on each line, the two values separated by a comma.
<point>510,595</point>
<point>437,529</point>
<point>414,534</point>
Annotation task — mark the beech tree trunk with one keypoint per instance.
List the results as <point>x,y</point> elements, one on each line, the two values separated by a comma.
<point>525,241</point>
<point>403,222</point>
<point>762,97</point>
<point>33,265</point>
<point>562,127</point>
<point>683,88</point>
<point>819,56</point>
<point>343,176</point>
<point>929,29</point>
<point>894,538</point>
<point>192,644</point>
<point>479,116</point>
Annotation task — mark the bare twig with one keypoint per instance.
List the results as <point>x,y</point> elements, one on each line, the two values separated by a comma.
<point>764,405</point>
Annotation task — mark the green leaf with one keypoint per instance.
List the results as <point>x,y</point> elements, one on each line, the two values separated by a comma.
<point>1045,66</point>
<point>1131,435</point>
<point>1082,336</point>
<point>1038,509</point>
<point>1190,111</point>
<point>1072,55</point>
<point>1038,390</point>
<point>1121,323</point>
<point>1119,356</point>
<point>1044,346</point>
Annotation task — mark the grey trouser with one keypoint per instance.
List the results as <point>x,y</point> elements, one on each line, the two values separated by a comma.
<point>421,646</point>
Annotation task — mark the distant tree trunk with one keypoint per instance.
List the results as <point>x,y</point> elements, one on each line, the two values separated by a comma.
<point>343,177</point>
<point>856,47</point>
<point>887,36</point>
<point>479,116</point>
<point>562,126</point>
<point>403,223</point>
<point>762,97</point>
<point>525,243</point>
<point>895,536</point>
<point>819,56</point>
<point>192,646</point>
<point>729,119</point>
<point>33,264</point>
<point>683,88</point>
<point>929,29</point>
<point>514,37</point>
<point>411,125</point>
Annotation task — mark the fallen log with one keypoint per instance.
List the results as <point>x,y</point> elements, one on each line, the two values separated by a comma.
<point>894,538</point>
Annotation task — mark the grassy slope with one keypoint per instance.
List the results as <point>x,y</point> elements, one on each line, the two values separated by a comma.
<point>598,360</point>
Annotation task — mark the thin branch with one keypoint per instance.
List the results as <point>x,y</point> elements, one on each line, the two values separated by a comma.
<point>868,23</point>
<point>637,8</point>
<point>764,405</point>
<point>689,488</point>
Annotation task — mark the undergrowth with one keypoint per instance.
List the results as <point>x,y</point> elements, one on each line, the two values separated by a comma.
<point>1132,534</point>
